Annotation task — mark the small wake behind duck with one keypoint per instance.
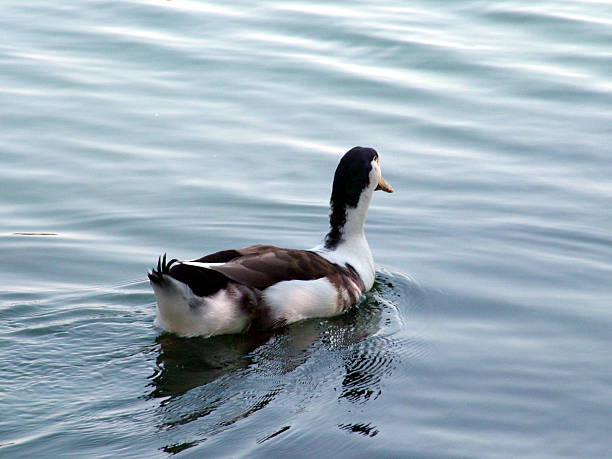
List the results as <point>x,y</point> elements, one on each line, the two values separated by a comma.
<point>263,287</point>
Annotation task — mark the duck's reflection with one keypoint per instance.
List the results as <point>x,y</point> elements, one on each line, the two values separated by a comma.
<point>186,363</point>
<point>228,378</point>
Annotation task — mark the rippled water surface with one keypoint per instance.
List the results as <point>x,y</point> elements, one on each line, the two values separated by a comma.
<point>132,128</point>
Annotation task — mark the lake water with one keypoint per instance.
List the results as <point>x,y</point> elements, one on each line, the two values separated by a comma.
<point>132,128</point>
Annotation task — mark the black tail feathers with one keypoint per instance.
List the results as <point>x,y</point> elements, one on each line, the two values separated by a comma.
<point>163,267</point>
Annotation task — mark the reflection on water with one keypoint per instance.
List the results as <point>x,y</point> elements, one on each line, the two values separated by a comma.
<point>362,429</point>
<point>213,383</point>
<point>185,363</point>
<point>365,367</point>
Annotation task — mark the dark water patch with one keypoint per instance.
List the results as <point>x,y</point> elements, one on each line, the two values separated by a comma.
<point>275,434</point>
<point>176,448</point>
<point>362,429</point>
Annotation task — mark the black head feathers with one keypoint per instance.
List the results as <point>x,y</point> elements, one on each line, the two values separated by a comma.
<point>352,175</point>
<point>351,178</point>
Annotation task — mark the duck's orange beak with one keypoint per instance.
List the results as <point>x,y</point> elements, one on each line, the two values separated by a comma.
<point>383,185</point>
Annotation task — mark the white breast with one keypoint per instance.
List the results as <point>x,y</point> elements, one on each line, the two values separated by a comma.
<point>355,252</point>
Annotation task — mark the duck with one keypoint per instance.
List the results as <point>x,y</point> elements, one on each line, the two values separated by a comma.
<point>263,287</point>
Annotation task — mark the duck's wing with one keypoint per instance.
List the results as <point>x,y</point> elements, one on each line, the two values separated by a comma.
<point>263,266</point>
<point>197,274</point>
<point>201,280</point>
<point>259,266</point>
<point>222,256</point>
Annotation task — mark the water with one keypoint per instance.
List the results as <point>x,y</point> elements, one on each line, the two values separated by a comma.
<point>134,128</point>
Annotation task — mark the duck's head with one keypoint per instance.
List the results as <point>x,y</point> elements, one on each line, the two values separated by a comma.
<point>357,176</point>
<point>358,171</point>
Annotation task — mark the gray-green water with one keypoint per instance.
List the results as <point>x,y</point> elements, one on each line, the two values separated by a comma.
<point>133,128</point>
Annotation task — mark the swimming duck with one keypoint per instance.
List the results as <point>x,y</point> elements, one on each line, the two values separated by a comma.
<point>262,287</point>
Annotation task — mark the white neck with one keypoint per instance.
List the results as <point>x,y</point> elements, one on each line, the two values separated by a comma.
<point>353,247</point>
<point>355,218</point>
